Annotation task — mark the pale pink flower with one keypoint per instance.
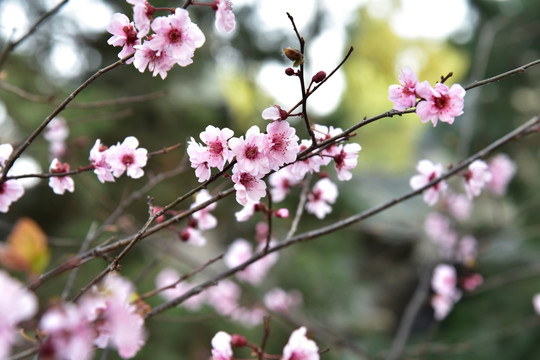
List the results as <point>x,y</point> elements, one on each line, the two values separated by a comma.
<point>282,144</point>
<point>324,192</point>
<point>404,96</point>
<point>466,251</point>
<point>217,150</point>
<point>221,346</point>
<point>60,184</point>
<point>126,157</point>
<point>322,133</point>
<point>444,281</point>
<point>69,333</point>
<point>56,134</point>
<point>536,303</point>
<point>16,304</point>
<point>428,172</point>
<point>157,61</point>
<point>274,113</point>
<point>472,282</point>
<point>249,188</point>
<point>177,34</point>
<point>205,220</point>
<point>281,301</point>
<point>142,14</point>
<point>442,305</point>
<point>225,20</point>
<point>98,159</point>
<point>223,297</point>
<point>5,153</point>
<point>169,276</point>
<point>502,170</point>
<point>239,252</point>
<point>248,317</point>
<point>312,164</point>
<point>345,159</point>
<point>124,34</point>
<point>10,191</point>
<point>441,103</point>
<point>251,152</point>
<point>198,158</point>
<point>247,211</point>
<point>459,205</point>
<point>282,213</point>
<point>300,347</point>
<point>281,182</point>
<point>192,236</point>
<point>476,178</point>
<point>439,229</point>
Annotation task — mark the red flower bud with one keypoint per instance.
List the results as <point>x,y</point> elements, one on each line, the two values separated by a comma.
<point>318,77</point>
<point>238,340</point>
<point>290,71</point>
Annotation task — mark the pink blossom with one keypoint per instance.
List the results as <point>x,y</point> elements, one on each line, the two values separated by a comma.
<point>476,177</point>
<point>249,188</point>
<point>300,347</point>
<point>221,346</point>
<point>472,282</point>
<point>323,133</point>
<point>225,20</point>
<point>444,281</point>
<point>281,301</point>
<point>169,276</point>
<point>239,252</point>
<point>404,96</point>
<point>442,305</point>
<point>439,229</point>
<point>345,159</point>
<point>247,211</point>
<point>466,251</point>
<point>459,205</point>
<point>157,61</point>
<point>98,159</point>
<point>124,34</point>
<point>251,152</point>
<point>126,157</point>
<point>10,191</point>
<point>60,184</point>
<point>198,158</point>
<point>5,153</point>
<point>274,113</point>
<point>536,303</point>
<point>282,213</point>
<point>177,34</point>
<point>428,172</point>
<point>205,220</point>
<point>217,150</point>
<point>16,304</point>
<point>224,297</point>
<point>281,182</point>
<point>324,192</point>
<point>311,164</point>
<point>142,14</point>
<point>69,333</point>
<point>440,102</point>
<point>248,317</point>
<point>192,236</point>
<point>282,144</point>
<point>56,134</point>
<point>502,169</point>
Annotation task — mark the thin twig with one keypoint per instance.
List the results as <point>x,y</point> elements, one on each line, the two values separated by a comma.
<point>300,207</point>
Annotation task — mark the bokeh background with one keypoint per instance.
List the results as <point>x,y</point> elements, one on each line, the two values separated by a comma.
<point>355,283</point>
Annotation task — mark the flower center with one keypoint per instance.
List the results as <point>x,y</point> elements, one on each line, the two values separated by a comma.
<point>441,102</point>
<point>251,152</point>
<point>128,159</point>
<point>175,36</point>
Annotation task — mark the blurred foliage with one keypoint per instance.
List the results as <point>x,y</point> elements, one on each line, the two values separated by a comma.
<point>355,283</point>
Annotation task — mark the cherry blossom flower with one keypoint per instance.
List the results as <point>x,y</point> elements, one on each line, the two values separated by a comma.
<point>324,192</point>
<point>442,305</point>
<point>247,211</point>
<point>439,229</point>
<point>69,333</point>
<point>282,213</point>
<point>472,282</point>
<point>281,182</point>
<point>217,150</point>
<point>428,172</point>
<point>126,157</point>
<point>345,159</point>
<point>199,160</point>
<point>5,153</point>
<point>169,276</point>
<point>312,164</point>
<point>142,14</point>
<point>502,169</point>
<point>177,34</point>
<point>157,61</point>
<point>10,191</point>
<point>476,177</point>
<point>249,188</point>
<point>536,303</point>
<point>98,159</point>
<point>274,113</point>
<point>459,205</point>
<point>124,34</point>
<point>248,317</point>
<point>56,134</point>
<point>251,152</point>
<point>224,297</point>
<point>239,252</point>
<point>300,347</point>
<point>281,301</point>
<point>404,96</point>
<point>205,220</point>
<point>444,284</point>
<point>466,251</point>
<point>322,133</point>
<point>221,346</point>
<point>282,144</point>
<point>60,184</point>
<point>441,103</point>
<point>16,304</point>
<point>225,20</point>
<point>192,236</point>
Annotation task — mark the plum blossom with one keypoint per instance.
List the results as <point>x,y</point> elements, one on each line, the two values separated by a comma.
<point>60,184</point>
<point>404,96</point>
<point>239,252</point>
<point>459,205</point>
<point>157,61</point>
<point>300,347</point>
<point>169,276</point>
<point>251,152</point>
<point>221,346</point>
<point>124,34</point>
<point>5,153</point>
<point>126,157</point>
<point>248,317</point>
<point>217,150</point>
<point>56,134</point>
<point>281,182</point>
<point>98,159</point>
<point>199,160</point>
<point>142,14</point>
<point>466,250</point>
<point>192,236</point>
<point>441,103</point>
<point>225,20</point>
<point>178,35</point>
<point>281,301</point>
<point>324,192</point>
<point>444,284</point>
<point>249,188</point>
<point>311,164</point>
<point>205,220</point>
<point>439,229</point>
<point>502,170</point>
<point>476,178</point>
<point>274,113</point>
<point>224,297</point>
<point>323,133</point>
<point>282,144</point>
<point>345,159</point>
<point>428,172</point>
<point>247,211</point>
<point>10,191</point>
<point>16,304</point>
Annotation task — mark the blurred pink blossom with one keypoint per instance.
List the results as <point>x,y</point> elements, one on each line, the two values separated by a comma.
<point>221,346</point>
<point>324,193</point>
<point>502,170</point>
<point>300,347</point>
<point>10,191</point>
<point>476,177</point>
<point>225,20</point>
<point>429,172</point>
<point>60,184</point>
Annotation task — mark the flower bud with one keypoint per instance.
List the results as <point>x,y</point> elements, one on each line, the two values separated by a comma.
<point>282,213</point>
<point>290,71</point>
<point>294,55</point>
<point>318,77</point>
<point>238,340</point>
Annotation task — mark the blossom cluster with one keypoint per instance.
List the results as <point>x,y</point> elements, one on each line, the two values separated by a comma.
<point>173,40</point>
<point>436,103</point>
<point>104,317</point>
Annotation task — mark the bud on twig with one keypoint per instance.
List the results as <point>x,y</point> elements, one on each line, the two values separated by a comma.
<point>238,340</point>
<point>318,77</point>
<point>290,71</point>
<point>294,55</point>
